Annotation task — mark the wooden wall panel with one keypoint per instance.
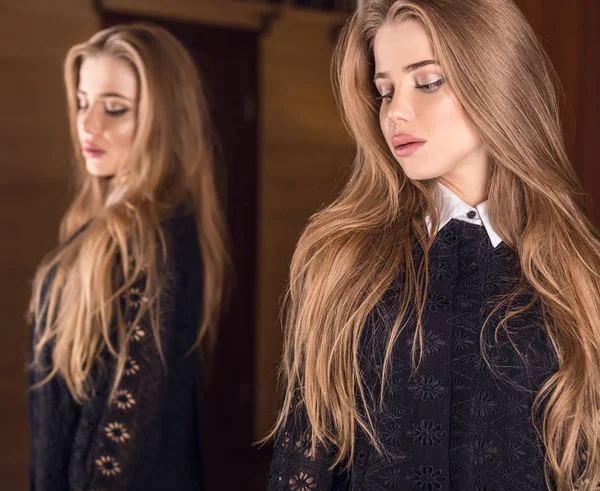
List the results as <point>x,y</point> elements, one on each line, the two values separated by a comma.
<point>570,32</point>
<point>560,32</point>
<point>35,158</point>
<point>305,152</point>
<point>13,422</point>
<point>225,13</point>
<point>587,150</point>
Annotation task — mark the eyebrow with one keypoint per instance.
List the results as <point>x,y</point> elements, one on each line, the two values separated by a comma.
<point>106,94</point>
<point>407,69</point>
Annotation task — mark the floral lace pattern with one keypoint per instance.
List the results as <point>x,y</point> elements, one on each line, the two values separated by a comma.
<point>127,438</point>
<point>455,424</point>
<point>116,433</point>
<point>108,466</point>
<point>302,472</point>
<point>121,425</point>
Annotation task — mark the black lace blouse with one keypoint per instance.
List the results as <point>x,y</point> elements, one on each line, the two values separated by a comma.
<point>146,437</point>
<point>455,425</point>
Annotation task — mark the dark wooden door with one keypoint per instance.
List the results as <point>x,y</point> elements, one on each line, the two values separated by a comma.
<point>228,62</point>
<point>570,32</point>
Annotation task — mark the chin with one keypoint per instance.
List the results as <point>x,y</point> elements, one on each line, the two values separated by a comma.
<point>97,169</point>
<point>419,174</point>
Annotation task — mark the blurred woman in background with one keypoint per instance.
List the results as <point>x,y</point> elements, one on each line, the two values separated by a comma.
<point>135,284</point>
<point>443,325</point>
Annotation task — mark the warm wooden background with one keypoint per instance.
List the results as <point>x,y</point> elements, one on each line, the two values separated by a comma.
<point>34,159</point>
<point>304,153</point>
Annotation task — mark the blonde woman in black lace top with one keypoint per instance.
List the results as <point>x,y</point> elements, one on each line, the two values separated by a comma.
<point>135,283</point>
<point>443,323</point>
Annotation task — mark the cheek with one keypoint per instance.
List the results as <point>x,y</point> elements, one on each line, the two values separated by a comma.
<point>450,125</point>
<point>122,133</point>
<point>79,126</point>
<point>384,123</point>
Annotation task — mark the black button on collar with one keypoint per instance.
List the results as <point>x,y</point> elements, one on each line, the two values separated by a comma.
<point>471,214</point>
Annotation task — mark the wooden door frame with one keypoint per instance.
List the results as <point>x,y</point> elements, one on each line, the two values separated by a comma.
<point>228,410</point>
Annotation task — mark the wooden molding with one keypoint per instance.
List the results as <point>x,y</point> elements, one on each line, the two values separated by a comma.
<point>239,14</point>
<point>225,13</point>
<point>313,16</point>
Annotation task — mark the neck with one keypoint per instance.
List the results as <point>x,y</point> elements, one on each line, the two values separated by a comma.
<point>114,192</point>
<point>469,182</point>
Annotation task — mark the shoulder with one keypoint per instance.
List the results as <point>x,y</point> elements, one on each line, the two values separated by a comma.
<point>183,243</point>
<point>181,229</point>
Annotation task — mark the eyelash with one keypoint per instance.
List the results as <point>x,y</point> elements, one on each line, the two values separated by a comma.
<point>427,88</point>
<point>115,113</point>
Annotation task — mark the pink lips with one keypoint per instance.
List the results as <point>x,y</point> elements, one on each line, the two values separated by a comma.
<point>91,151</point>
<point>405,144</point>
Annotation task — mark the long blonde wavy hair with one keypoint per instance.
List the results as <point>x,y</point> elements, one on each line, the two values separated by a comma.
<point>77,314</point>
<point>352,250</point>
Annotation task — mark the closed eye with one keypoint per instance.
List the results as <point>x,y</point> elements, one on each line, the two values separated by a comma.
<point>116,112</point>
<point>385,96</point>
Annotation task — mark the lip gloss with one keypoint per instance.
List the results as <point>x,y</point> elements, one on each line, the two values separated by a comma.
<point>408,149</point>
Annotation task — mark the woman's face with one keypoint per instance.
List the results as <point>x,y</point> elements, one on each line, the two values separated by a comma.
<point>417,106</point>
<point>106,120</point>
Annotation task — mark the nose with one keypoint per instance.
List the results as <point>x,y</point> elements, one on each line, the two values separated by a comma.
<point>399,109</point>
<point>92,120</point>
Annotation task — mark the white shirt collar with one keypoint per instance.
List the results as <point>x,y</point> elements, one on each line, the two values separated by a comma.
<point>451,206</point>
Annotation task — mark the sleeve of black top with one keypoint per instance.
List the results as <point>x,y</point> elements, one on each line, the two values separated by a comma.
<point>53,416</point>
<point>292,467</point>
<point>131,420</point>
<point>128,421</point>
